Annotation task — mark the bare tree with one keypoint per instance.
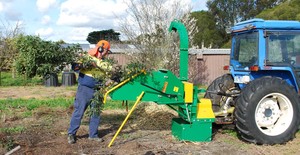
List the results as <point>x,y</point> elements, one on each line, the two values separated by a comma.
<point>197,70</point>
<point>8,51</point>
<point>146,26</point>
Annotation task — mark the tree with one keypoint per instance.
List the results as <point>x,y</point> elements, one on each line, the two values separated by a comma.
<point>146,27</point>
<point>39,57</point>
<point>8,50</point>
<point>209,35</point>
<point>61,41</point>
<point>227,13</point>
<point>110,35</point>
<point>289,10</point>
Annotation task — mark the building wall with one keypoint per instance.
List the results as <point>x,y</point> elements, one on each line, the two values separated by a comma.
<point>215,64</point>
<point>121,58</point>
<point>203,69</point>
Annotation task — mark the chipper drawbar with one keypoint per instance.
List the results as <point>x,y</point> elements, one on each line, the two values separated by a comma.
<point>195,116</point>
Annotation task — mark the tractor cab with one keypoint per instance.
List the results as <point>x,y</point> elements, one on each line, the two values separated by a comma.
<point>265,48</point>
<point>261,92</point>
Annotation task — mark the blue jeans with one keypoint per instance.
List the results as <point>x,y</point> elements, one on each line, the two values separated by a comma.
<point>82,101</point>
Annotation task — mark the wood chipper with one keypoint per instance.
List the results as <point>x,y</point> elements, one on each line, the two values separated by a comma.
<point>164,88</point>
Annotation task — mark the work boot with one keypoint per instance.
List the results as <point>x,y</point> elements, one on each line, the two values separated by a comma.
<point>96,139</point>
<point>71,139</point>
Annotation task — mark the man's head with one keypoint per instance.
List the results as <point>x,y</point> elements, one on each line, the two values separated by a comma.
<point>101,50</point>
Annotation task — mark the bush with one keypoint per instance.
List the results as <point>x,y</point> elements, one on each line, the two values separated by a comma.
<point>37,57</point>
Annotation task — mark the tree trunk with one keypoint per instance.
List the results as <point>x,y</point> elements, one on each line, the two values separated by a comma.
<point>13,73</point>
<point>0,77</point>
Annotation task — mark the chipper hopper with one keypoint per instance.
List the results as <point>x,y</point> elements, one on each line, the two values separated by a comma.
<point>195,116</point>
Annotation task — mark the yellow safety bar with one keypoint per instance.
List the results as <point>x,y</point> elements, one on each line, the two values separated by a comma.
<point>119,85</point>
<point>125,120</point>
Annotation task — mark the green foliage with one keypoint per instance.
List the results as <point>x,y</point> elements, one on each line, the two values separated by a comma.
<point>209,34</point>
<point>110,35</point>
<point>83,60</point>
<point>134,68</point>
<point>224,14</point>
<point>7,53</point>
<point>39,57</point>
<point>118,74</point>
<point>249,9</point>
<point>289,10</point>
<point>229,12</point>
<point>87,62</point>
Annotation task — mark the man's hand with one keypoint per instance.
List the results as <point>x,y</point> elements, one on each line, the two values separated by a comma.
<point>116,74</point>
<point>116,78</point>
<point>108,82</point>
<point>76,66</point>
<point>94,64</point>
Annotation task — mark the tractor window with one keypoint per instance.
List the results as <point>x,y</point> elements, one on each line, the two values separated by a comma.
<point>283,48</point>
<point>245,52</point>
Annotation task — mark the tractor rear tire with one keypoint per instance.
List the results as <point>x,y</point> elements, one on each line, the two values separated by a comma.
<point>267,111</point>
<point>224,82</point>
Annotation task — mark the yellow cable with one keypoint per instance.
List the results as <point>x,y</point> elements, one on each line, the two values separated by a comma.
<point>125,120</point>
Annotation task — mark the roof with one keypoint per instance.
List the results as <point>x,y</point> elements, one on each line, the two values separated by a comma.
<point>122,48</point>
<point>222,51</point>
<point>267,24</point>
<point>84,47</point>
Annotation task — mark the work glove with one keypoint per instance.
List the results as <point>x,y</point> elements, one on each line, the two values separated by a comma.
<point>76,66</point>
<point>116,74</point>
<point>116,78</point>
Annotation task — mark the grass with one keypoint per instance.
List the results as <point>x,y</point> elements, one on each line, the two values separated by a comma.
<point>8,143</point>
<point>19,80</point>
<point>31,104</point>
<point>7,80</point>
<point>111,104</point>
<point>230,132</point>
<point>12,130</point>
<point>25,107</point>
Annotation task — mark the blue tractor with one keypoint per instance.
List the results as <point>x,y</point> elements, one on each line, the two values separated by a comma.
<point>260,95</point>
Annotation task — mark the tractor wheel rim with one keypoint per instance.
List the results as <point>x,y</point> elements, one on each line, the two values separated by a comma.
<point>273,114</point>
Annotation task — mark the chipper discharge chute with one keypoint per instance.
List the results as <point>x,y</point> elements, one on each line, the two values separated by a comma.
<point>164,88</point>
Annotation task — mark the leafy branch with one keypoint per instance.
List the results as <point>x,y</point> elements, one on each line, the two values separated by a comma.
<point>111,79</point>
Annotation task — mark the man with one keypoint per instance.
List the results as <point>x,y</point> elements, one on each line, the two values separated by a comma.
<point>86,90</point>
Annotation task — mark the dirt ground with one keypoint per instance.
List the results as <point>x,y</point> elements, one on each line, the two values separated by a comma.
<point>147,132</point>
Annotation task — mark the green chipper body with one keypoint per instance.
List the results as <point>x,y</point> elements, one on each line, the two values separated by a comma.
<point>195,116</point>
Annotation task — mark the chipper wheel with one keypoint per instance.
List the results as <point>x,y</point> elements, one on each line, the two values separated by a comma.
<point>221,84</point>
<point>267,111</point>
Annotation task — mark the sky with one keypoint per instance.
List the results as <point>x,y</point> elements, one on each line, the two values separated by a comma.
<point>67,20</point>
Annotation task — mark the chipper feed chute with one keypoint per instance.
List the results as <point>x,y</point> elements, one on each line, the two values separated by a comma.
<point>164,88</point>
